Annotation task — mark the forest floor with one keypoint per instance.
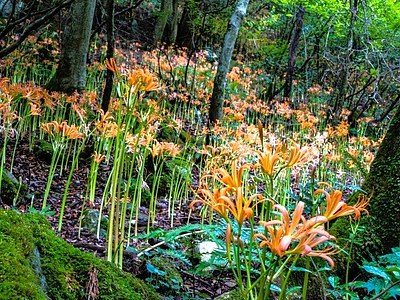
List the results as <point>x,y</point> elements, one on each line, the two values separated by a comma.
<point>32,169</point>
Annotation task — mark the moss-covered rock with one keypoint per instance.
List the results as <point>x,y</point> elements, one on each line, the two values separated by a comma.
<point>68,273</point>
<point>44,150</point>
<point>12,191</point>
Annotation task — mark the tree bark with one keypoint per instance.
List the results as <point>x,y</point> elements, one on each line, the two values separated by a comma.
<point>110,54</point>
<point>217,98</point>
<point>382,226</point>
<point>292,51</point>
<point>165,12</point>
<point>383,182</point>
<point>176,15</point>
<point>71,72</point>
<point>342,86</point>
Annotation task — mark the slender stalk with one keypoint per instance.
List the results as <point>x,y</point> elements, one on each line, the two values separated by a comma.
<point>282,295</point>
<point>71,172</point>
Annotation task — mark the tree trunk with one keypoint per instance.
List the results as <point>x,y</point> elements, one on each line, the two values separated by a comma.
<point>342,86</point>
<point>71,72</point>
<point>110,54</point>
<point>292,51</point>
<point>382,226</point>
<point>217,98</point>
<point>164,14</point>
<point>173,28</point>
<point>383,182</point>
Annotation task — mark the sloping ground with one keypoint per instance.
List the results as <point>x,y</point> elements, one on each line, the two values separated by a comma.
<point>36,264</point>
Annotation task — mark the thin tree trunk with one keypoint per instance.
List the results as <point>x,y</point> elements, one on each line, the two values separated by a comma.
<point>110,54</point>
<point>165,12</point>
<point>71,73</point>
<point>292,51</point>
<point>217,98</point>
<point>344,73</point>
<point>176,15</point>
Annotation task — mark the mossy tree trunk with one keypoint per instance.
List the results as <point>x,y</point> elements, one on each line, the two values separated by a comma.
<point>298,26</point>
<point>383,183</point>
<point>217,98</point>
<point>71,72</point>
<point>165,12</point>
<point>176,15</point>
<point>382,226</point>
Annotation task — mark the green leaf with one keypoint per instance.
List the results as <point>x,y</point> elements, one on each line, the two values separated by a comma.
<point>374,284</point>
<point>154,270</point>
<point>333,280</point>
<point>376,271</point>
<point>300,269</point>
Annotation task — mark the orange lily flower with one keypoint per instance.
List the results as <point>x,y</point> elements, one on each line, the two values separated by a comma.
<point>111,65</point>
<point>215,200</point>
<point>242,208</point>
<point>276,242</point>
<point>142,80</point>
<point>298,228</point>
<point>220,201</point>
<point>234,181</point>
<point>298,156</point>
<point>315,237</point>
<point>98,158</point>
<point>336,208</point>
<point>268,160</point>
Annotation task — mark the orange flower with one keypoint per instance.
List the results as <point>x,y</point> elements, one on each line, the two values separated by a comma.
<point>274,241</point>
<point>142,80</point>
<point>220,201</point>
<point>242,208</point>
<point>98,158</point>
<point>268,161</point>
<point>69,131</point>
<point>283,232</point>
<point>315,237</point>
<point>215,200</point>
<point>298,156</point>
<point>111,65</point>
<point>234,181</point>
<point>336,208</point>
<point>35,109</point>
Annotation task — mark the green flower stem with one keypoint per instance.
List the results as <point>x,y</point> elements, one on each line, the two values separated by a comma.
<point>57,151</point>
<point>71,172</point>
<point>282,295</point>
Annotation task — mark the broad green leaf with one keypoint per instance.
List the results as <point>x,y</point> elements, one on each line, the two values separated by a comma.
<point>333,280</point>
<point>376,271</point>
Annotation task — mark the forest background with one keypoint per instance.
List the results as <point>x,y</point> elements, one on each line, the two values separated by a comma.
<point>268,113</point>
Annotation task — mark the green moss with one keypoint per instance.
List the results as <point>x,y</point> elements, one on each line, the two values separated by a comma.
<point>65,268</point>
<point>17,279</point>
<point>44,150</point>
<point>11,189</point>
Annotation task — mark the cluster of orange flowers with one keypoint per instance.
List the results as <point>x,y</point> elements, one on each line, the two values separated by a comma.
<point>159,147</point>
<point>69,131</point>
<point>106,126</point>
<point>286,236</point>
<point>141,80</point>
